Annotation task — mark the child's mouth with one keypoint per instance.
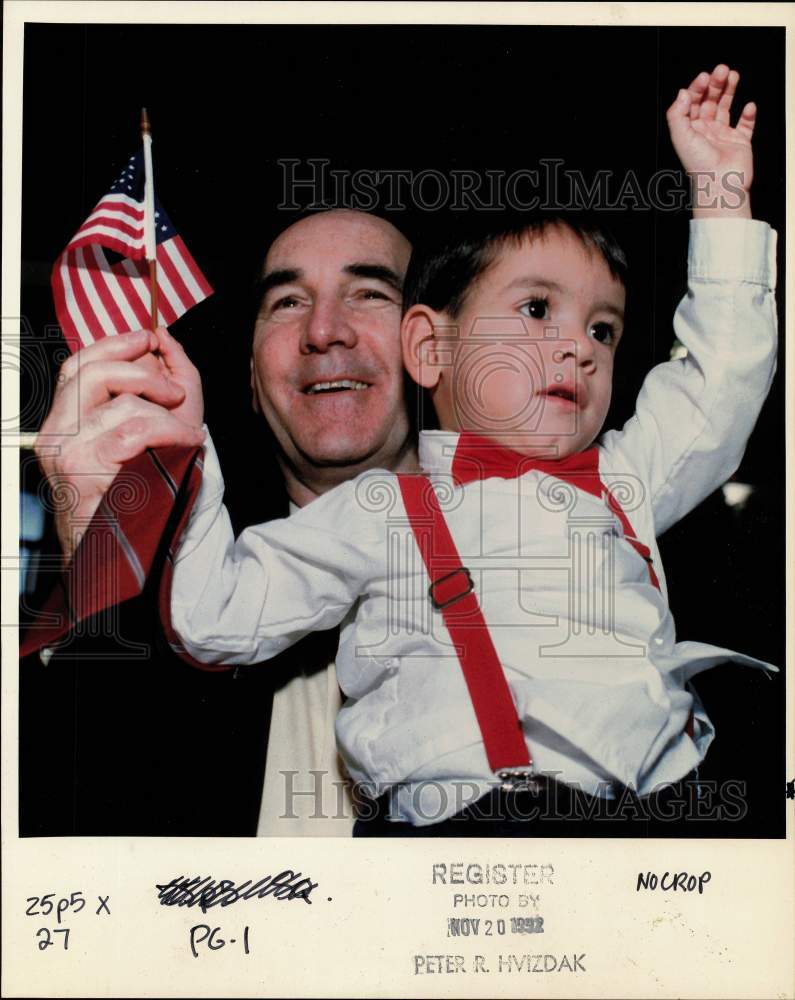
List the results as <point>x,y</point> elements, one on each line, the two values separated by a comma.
<point>561,393</point>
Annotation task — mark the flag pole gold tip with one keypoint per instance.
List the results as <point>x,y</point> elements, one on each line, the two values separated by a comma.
<point>146,128</point>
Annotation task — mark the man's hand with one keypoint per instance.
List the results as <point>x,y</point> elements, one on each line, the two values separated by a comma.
<point>718,158</point>
<point>114,399</point>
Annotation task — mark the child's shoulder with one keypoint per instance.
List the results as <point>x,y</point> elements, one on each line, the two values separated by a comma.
<point>355,502</point>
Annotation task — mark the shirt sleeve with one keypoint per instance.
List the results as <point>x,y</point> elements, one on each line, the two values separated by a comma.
<point>695,413</point>
<point>246,600</point>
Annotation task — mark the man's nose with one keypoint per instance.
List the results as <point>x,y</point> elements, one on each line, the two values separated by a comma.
<point>326,325</point>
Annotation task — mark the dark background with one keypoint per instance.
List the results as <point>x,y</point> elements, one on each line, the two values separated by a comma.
<point>112,742</point>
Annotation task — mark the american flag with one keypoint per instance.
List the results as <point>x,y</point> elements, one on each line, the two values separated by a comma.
<point>99,295</point>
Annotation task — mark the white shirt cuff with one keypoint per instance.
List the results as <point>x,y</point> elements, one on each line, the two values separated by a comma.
<point>212,485</point>
<point>732,250</point>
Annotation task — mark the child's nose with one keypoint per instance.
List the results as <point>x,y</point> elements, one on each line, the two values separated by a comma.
<point>579,345</point>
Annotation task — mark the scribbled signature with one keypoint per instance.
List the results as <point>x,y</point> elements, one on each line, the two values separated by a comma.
<point>207,892</point>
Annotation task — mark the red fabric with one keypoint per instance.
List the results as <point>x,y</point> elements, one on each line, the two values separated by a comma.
<point>491,697</point>
<point>479,458</point>
<point>149,499</point>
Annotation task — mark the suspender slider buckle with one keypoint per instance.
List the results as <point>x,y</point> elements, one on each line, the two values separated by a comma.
<point>444,599</point>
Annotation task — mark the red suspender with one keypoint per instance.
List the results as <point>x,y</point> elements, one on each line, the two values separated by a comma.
<point>451,593</point>
<point>629,533</point>
<point>451,585</point>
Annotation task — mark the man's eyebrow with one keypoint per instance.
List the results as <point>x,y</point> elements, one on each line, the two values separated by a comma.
<point>273,279</point>
<point>377,271</point>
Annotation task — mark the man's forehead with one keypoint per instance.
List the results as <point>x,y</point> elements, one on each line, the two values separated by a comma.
<point>338,241</point>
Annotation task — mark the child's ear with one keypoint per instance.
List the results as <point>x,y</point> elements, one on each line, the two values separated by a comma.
<point>421,355</point>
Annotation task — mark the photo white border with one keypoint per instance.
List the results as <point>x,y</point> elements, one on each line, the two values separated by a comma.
<point>734,940</point>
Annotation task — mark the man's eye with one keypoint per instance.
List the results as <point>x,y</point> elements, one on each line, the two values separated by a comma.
<point>373,293</point>
<point>285,302</point>
<point>536,308</point>
<point>603,332</point>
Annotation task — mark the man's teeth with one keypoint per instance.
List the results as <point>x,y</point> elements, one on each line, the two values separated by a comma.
<point>345,383</point>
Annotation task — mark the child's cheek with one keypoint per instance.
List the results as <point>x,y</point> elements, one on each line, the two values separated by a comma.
<point>497,396</point>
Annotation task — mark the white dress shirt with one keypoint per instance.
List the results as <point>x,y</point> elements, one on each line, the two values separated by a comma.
<point>586,641</point>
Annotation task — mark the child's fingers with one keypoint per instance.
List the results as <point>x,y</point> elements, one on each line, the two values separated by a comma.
<point>717,83</point>
<point>715,87</point>
<point>679,112</point>
<point>747,120</point>
<point>697,90</point>
<point>725,102</point>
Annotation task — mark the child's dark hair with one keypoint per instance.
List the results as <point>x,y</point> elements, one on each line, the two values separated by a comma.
<point>442,270</point>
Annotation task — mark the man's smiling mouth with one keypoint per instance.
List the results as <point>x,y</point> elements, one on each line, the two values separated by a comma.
<point>337,385</point>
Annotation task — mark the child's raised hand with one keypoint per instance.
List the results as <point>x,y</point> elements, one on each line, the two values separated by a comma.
<point>707,144</point>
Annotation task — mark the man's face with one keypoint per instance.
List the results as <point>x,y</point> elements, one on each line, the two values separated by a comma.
<point>532,356</point>
<point>326,364</point>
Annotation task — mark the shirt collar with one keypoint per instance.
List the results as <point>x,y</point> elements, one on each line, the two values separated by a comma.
<point>470,457</point>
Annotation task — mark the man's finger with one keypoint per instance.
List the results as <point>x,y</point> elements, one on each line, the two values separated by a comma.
<point>124,347</point>
<point>113,414</point>
<point>173,354</point>
<point>101,381</point>
<point>134,436</point>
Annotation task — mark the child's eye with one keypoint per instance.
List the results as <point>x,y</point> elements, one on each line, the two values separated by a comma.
<point>603,332</point>
<point>536,308</point>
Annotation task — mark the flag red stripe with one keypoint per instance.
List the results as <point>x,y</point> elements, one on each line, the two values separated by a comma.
<point>118,206</point>
<point>70,333</point>
<point>134,232</point>
<point>110,242</point>
<point>165,305</point>
<point>164,261</point>
<point>167,313</point>
<point>126,285</point>
<point>186,255</point>
<point>82,302</point>
<point>103,291</point>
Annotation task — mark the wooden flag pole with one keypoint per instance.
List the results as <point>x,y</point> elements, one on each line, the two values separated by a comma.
<point>149,216</point>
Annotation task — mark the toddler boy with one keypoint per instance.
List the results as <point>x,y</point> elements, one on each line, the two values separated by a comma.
<point>506,618</point>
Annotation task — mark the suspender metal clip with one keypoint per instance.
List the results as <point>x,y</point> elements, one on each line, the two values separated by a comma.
<point>517,780</point>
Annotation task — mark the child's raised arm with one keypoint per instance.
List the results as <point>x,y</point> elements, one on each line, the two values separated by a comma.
<point>694,414</point>
<point>717,156</point>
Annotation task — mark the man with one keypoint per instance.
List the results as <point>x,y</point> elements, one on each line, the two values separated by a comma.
<point>326,373</point>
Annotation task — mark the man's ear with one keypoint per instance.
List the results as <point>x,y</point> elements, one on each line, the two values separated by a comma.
<point>253,382</point>
<point>422,357</point>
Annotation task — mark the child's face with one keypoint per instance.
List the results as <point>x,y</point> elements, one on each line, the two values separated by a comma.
<point>531,361</point>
